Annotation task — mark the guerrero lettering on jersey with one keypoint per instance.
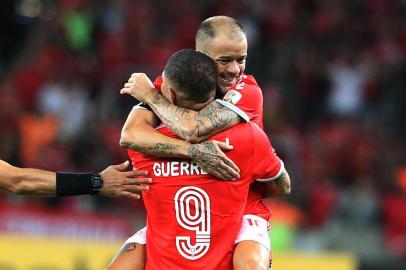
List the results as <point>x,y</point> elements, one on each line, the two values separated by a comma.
<point>192,218</point>
<point>176,168</point>
<point>245,99</point>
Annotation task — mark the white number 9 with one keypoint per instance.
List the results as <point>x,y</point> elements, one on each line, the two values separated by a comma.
<point>199,221</point>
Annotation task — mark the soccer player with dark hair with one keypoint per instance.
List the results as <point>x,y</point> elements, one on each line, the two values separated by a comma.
<point>114,181</point>
<point>193,219</point>
<point>223,39</point>
<point>184,65</point>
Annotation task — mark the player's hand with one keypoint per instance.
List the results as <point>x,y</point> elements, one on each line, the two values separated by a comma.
<point>140,87</point>
<point>210,157</point>
<point>117,182</point>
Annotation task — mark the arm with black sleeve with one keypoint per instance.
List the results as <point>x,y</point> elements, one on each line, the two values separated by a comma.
<point>114,181</point>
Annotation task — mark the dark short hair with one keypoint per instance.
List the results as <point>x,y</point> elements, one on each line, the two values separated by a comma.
<point>193,73</point>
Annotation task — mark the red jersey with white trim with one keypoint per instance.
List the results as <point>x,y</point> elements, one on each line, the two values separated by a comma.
<point>245,99</point>
<point>193,218</point>
<point>246,95</point>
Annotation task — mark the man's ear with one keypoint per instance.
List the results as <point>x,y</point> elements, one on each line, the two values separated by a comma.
<point>172,96</point>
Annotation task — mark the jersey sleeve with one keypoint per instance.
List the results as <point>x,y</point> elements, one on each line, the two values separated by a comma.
<point>158,82</point>
<point>268,166</point>
<point>234,108</point>
<point>246,101</point>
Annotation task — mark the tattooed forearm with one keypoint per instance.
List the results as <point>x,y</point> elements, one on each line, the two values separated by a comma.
<point>211,159</point>
<point>191,125</point>
<point>204,153</point>
<point>279,186</point>
<point>214,117</point>
<point>170,114</point>
<point>283,183</point>
<point>159,149</point>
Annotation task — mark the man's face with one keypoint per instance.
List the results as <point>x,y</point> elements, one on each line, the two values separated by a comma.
<point>229,55</point>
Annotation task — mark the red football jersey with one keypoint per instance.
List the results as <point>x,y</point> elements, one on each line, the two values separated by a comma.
<point>245,99</point>
<point>158,82</point>
<point>193,218</point>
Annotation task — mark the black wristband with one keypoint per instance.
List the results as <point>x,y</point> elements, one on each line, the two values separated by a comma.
<point>97,184</point>
<point>69,184</point>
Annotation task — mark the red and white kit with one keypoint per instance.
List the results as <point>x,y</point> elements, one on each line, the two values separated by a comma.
<point>193,219</point>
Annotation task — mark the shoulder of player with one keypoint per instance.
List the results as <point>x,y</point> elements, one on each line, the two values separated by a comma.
<point>246,137</point>
<point>249,79</point>
<point>247,83</point>
<point>242,131</point>
<point>258,134</point>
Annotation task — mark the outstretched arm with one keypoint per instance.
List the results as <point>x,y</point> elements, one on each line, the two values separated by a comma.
<point>118,182</point>
<point>188,124</point>
<point>138,134</point>
<point>25,181</point>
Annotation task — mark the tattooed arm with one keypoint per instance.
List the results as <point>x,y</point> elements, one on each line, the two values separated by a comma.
<point>277,187</point>
<point>138,134</point>
<point>208,155</point>
<point>191,125</point>
<point>188,124</point>
<point>131,256</point>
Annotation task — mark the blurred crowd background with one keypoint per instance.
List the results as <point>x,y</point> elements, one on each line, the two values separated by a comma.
<point>333,76</point>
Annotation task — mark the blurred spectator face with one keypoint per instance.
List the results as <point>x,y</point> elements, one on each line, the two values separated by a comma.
<point>230,55</point>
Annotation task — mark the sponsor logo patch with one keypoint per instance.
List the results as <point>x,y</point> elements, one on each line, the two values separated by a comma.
<point>232,96</point>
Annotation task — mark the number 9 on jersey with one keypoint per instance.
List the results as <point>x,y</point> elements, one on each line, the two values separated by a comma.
<point>195,219</point>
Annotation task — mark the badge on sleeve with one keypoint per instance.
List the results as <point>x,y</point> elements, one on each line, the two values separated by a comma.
<point>232,96</point>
